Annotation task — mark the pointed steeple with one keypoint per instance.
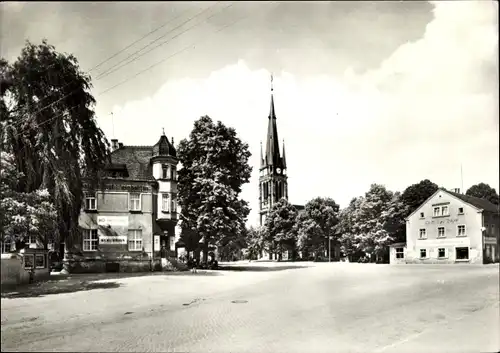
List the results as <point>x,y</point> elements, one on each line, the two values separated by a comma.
<point>272,144</point>
<point>272,113</point>
<point>284,158</point>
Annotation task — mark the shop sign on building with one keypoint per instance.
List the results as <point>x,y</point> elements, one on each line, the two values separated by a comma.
<point>117,221</point>
<point>116,240</point>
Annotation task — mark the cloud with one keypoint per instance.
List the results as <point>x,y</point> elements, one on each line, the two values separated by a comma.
<point>428,108</point>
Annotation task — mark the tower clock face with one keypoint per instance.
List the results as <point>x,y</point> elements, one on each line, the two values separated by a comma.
<point>278,170</point>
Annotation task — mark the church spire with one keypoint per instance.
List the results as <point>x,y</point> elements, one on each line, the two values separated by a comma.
<point>272,157</point>
<point>272,113</point>
<point>284,158</point>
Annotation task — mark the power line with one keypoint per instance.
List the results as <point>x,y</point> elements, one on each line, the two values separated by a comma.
<point>137,41</point>
<point>168,57</point>
<point>145,70</point>
<point>111,57</point>
<point>111,70</point>
<point>72,92</point>
<point>123,49</point>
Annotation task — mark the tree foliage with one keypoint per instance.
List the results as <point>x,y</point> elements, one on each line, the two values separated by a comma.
<point>280,226</point>
<point>415,195</point>
<point>484,191</point>
<point>369,222</point>
<point>255,241</point>
<point>316,224</point>
<point>24,215</point>
<point>48,124</point>
<point>214,168</point>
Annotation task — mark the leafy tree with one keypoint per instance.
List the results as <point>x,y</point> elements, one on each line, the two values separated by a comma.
<point>374,217</point>
<point>48,124</point>
<point>256,241</point>
<point>317,224</point>
<point>369,224</point>
<point>190,238</point>
<point>349,226</point>
<point>484,191</point>
<point>24,215</point>
<point>415,195</point>
<point>214,168</point>
<point>280,224</point>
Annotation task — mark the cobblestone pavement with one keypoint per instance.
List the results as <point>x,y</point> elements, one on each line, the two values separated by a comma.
<point>324,308</point>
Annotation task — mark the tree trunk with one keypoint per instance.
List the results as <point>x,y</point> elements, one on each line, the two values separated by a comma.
<point>205,251</point>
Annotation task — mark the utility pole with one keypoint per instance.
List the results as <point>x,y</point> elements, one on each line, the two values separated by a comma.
<point>329,248</point>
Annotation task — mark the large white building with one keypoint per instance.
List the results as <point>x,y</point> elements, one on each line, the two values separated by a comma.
<point>451,227</point>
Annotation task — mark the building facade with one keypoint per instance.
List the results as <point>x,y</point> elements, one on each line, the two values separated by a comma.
<point>451,227</point>
<point>128,221</point>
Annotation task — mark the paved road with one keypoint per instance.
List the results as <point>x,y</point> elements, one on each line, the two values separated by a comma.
<point>325,308</point>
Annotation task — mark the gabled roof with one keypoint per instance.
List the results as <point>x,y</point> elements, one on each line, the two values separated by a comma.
<point>476,202</point>
<point>136,159</point>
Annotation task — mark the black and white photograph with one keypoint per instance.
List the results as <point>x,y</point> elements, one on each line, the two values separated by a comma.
<point>250,176</point>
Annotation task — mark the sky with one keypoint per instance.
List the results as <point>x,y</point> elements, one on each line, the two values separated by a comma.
<point>365,92</point>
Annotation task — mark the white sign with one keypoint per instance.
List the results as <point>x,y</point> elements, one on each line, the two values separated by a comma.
<point>443,242</point>
<point>116,240</point>
<point>156,242</point>
<point>119,221</point>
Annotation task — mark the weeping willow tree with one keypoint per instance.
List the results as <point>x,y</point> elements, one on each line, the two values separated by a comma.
<point>48,124</point>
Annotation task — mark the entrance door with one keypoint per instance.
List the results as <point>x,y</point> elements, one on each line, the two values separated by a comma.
<point>462,253</point>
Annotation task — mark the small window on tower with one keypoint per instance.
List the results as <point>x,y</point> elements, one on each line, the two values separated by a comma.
<point>164,169</point>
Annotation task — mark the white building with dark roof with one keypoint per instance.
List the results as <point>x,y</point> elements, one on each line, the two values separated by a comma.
<point>450,227</point>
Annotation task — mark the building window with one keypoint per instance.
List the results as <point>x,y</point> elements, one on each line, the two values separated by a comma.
<point>400,253</point>
<point>423,253</point>
<point>90,201</point>
<point>7,246</point>
<point>441,232</point>
<point>29,261</point>
<point>461,231</point>
<point>462,253</point>
<point>172,173</point>
<point>172,243</point>
<point>423,233</point>
<point>492,229</point>
<point>165,202</point>
<point>421,215</point>
<point>441,253</point>
<point>40,261</point>
<point>135,201</point>
<point>173,205</point>
<point>135,240</point>
<point>164,171</point>
<point>460,210</point>
<point>90,240</point>
<point>437,211</point>
<point>444,211</point>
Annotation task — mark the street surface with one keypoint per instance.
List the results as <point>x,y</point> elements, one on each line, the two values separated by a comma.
<point>335,307</point>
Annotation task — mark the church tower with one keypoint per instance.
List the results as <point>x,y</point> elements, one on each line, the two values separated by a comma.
<point>273,184</point>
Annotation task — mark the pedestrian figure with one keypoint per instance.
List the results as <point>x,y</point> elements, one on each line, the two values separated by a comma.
<point>194,266</point>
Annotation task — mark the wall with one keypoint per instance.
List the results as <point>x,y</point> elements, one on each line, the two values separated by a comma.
<point>14,271</point>
<point>113,219</point>
<point>393,260</point>
<point>491,237</point>
<point>471,218</point>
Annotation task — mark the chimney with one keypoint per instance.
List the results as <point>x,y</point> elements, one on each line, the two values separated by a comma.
<point>120,144</point>
<point>114,144</point>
